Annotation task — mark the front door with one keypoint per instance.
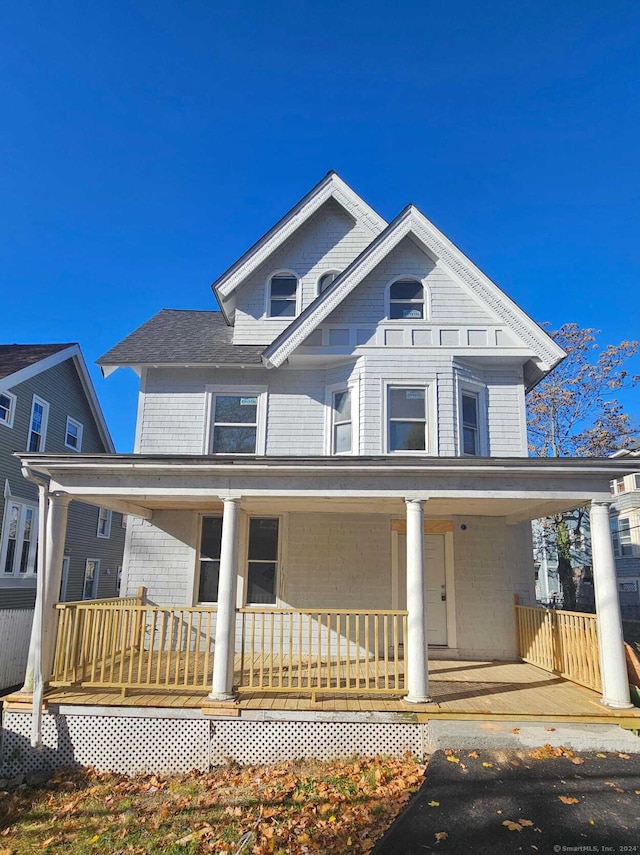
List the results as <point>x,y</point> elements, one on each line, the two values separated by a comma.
<point>435,585</point>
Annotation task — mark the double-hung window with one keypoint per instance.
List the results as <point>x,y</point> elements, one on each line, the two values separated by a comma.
<point>622,538</point>
<point>262,567</point>
<point>283,296</point>
<point>235,423</point>
<point>19,540</point>
<point>104,523</point>
<point>73,434</point>
<point>406,300</point>
<point>209,559</point>
<point>7,408</point>
<point>341,422</point>
<point>617,486</point>
<point>38,424</point>
<point>470,423</point>
<point>407,418</point>
<point>90,581</point>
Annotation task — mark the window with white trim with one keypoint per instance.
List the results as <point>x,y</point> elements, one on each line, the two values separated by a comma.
<point>90,581</point>
<point>19,539</point>
<point>209,559</point>
<point>469,423</point>
<point>234,427</point>
<point>341,422</point>
<point>262,560</point>
<point>635,481</point>
<point>406,418</point>
<point>327,279</point>
<point>406,300</point>
<point>622,537</point>
<point>38,424</point>
<point>104,523</point>
<point>617,486</point>
<point>73,434</point>
<point>283,296</point>
<point>7,408</point>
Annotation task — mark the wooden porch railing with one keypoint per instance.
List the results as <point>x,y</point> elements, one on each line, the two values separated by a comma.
<point>565,643</point>
<point>327,650</point>
<point>129,646</point>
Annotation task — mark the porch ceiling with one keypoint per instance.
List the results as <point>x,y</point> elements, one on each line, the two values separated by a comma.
<point>517,488</point>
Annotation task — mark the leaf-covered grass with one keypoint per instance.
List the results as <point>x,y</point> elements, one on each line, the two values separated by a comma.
<point>294,807</point>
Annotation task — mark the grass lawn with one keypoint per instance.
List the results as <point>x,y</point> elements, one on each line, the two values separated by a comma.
<point>295,807</point>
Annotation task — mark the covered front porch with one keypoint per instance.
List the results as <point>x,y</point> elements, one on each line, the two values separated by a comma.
<point>334,636</point>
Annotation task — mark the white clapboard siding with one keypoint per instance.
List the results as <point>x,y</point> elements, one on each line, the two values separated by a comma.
<point>15,631</point>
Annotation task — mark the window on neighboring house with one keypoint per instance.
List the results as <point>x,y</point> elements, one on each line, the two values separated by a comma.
<point>327,279</point>
<point>118,580</point>
<point>262,560</point>
<point>73,434</point>
<point>19,539</point>
<point>209,558</point>
<point>90,582</point>
<point>622,539</point>
<point>407,419</point>
<point>64,581</point>
<point>7,408</point>
<point>104,523</point>
<point>283,292</point>
<point>470,424</point>
<point>341,422</point>
<point>235,424</point>
<point>38,424</point>
<point>406,300</point>
<point>635,481</point>
<point>617,486</point>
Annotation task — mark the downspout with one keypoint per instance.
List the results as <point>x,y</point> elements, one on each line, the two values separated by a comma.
<point>38,612</point>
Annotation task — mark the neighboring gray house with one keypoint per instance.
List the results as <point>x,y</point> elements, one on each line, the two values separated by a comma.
<point>625,528</point>
<point>346,433</point>
<point>47,403</point>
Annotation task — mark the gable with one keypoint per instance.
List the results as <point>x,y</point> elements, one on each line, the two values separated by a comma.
<point>328,241</point>
<point>461,278</point>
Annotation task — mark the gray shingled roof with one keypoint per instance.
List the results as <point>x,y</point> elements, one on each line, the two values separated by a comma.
<point>15,357</point>
<point>185,337</point>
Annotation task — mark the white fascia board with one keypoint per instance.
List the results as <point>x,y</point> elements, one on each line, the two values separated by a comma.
<point>412,222</point>
<point>96,409</point>
<point>330,186</point>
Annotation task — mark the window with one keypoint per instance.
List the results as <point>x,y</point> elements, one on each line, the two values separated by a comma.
<point>235,424</point>
<point>407,417</point>
<point>64,582</point>
<point>90,582</point>
<point>617,486</point>
<point>73,434</point>
<point>621,534</point>
<point>118,580</point>
<point>327,279</point>
<point>341,422</point>
<point>470,430</point>
<point>7,408</point>
<point>104,523</point>
<point>628,587</point>
<point>283,292</point>
<point>635,482</point>
<point>262,561</point>
<point>19,539</point>
<point>406,300</point>
<point>38,424</point>
<point>209,558</point>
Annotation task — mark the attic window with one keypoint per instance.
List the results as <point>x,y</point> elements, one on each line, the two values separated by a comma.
<point>406,300</point>
<point>283,290</point>
<point>326,280</point>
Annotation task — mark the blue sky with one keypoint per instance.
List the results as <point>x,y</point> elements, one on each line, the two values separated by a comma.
<point>146,145</point>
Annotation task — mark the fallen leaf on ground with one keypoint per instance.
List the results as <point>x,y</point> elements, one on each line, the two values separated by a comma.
<point>514,762</point>
<point>441,835</point>
<point>568,800</point>
<point>577,761</point>
<point>474,754</point>
<point>624,756</point>
<point>452,758</point>
<point>434,804</point>
<point>602,755</point>
<point>549,728</point>
<point>592,822</point>
<point>511,825</point>
<point>488,765</point>
<point>515,730</point>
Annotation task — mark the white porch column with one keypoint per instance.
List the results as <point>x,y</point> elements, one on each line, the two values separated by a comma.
<point>222,683</point>
<point>615,682</point>
<point>55,532</point>
<point>417,679</point>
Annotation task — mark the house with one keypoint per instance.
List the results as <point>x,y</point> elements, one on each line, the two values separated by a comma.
<point>48,404</point>
<point>330,507</point>
<point>625,529</point>
<point>545,553</point>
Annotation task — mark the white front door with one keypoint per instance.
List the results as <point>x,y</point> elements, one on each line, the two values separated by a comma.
<point>435,585</point>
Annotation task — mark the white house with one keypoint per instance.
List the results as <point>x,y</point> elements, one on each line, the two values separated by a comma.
<point>330,482</point>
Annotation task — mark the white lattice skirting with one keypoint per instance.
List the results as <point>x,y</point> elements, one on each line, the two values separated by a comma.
<point>130,745</point>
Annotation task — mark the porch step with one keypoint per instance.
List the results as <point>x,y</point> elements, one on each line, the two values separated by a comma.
<point>527,734</point>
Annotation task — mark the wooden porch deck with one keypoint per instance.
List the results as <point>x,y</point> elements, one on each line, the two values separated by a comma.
<point>460,690</point>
